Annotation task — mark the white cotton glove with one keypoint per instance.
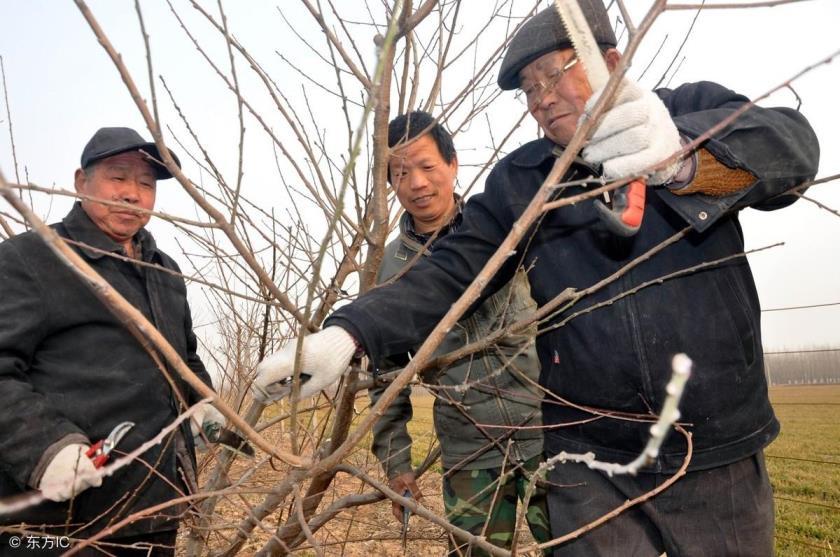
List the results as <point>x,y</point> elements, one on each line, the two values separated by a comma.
<point>208,419</point>
<point>635,133</point>
<point>69,473</point>
<point>325,357</point>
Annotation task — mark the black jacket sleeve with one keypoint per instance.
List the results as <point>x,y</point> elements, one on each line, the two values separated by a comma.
<point>398,317</point>
<point>777,145</point>
<point>30,425</point>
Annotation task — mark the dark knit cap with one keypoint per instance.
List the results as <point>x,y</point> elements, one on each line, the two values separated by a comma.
<point>545,32</point>
<point>107,142</point>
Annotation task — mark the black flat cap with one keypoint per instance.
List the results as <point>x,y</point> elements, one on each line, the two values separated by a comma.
<point>107,142</point>
<point>545,32</point>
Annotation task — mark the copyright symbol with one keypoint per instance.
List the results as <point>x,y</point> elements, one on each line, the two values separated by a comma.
<point>14,542</point>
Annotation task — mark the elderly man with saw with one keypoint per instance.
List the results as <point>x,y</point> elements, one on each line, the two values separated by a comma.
<point>606,359</point>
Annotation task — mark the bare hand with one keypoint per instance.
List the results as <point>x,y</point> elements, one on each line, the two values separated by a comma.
<point>402,483</point>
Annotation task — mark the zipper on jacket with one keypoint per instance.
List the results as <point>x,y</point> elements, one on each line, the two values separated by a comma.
<point>632,314</point>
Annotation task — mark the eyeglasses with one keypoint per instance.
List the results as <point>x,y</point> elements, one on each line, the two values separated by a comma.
<point>531,95</point>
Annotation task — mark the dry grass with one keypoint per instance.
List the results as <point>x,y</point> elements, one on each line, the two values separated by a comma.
<point>368,530</point>
<point>808,493</point>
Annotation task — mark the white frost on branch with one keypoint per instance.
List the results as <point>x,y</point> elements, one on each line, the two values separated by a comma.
<point>681,366</point>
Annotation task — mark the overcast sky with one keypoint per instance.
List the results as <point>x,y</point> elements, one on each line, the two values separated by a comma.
<point>62,87</point>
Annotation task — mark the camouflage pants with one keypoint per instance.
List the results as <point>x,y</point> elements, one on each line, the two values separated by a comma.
<point>468,496</point>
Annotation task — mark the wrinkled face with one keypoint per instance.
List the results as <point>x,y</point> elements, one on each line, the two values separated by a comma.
<point>424,183</point>
<point>558,105</point>
<point>126,177</point>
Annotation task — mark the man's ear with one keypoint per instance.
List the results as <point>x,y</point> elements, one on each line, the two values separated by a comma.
<point>454,163</point>
<point>612,57</point>
<point>79,179</point>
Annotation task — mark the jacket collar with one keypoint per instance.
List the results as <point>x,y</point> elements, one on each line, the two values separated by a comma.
<point>407,224</point>
<point>83,230</point>
<point>535,153</point>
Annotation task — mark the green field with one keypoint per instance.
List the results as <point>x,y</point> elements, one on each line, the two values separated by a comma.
<point>807,493</point>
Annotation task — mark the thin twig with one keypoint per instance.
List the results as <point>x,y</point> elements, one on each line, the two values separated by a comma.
<point>818,204</point>
<point>176,171</point>
<point>303,525</point>
<point>135,321</point>
<point>733,5</point>
<point>411,504</point>
<point>9,118</point>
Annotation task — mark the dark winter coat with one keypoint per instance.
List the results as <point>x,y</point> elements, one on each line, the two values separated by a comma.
<point>70,372</point>
<point>617,356</point>
<point>503,380</point>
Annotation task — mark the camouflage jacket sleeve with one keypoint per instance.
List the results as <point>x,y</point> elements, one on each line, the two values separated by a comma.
<point>391,441</point>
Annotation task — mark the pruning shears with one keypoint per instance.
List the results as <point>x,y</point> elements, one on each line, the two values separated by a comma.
<point>406,516</point>
<point>624,215</point>
<point>230,440</point>
<point>100,451</point>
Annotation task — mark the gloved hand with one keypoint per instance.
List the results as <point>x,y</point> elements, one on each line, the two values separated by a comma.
<point>635,133</point>
<point>69,473</point>
<point>324,358</point>
<point>402,483</point>
<point>206,418</point>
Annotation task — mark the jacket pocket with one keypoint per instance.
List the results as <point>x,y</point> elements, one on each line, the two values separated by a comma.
<point>737,309</point>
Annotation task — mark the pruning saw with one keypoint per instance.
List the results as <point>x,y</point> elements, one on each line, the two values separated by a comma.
<point>624,217</point>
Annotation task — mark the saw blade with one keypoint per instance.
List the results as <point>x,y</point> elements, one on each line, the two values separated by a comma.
<point>586,48</point>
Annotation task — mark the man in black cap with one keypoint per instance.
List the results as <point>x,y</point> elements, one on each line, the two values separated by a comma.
<point>606,360</point>
<point>70,372</point>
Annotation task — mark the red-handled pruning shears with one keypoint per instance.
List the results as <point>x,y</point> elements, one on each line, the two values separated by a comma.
<point>98,453</point>
<point>624,217</point>
<point>101,450</point>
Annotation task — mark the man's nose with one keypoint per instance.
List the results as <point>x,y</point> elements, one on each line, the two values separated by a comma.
<point>129,191</point>
<point>417,180</point>
<point>546,98</point>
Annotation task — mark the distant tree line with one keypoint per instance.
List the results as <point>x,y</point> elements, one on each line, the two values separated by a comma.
<point>812,365</point>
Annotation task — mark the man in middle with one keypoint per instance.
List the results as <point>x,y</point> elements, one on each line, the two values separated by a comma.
<point>489,426</point>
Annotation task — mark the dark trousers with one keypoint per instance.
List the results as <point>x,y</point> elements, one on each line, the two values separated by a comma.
<point>722,511</point>
<point>156,544</point>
